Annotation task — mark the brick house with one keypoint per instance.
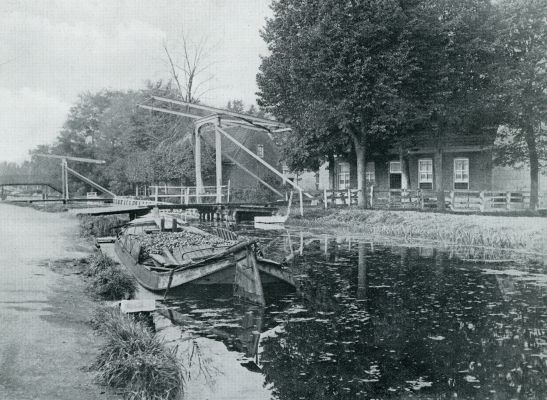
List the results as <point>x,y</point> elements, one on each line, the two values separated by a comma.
<point>467,164</point>
<point>259,142</point>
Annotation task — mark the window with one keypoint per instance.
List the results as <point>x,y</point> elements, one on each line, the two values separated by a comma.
<point>425,173</point>
<point>260,150</point>
<point>370,173</point>
<point>343,176</point>
<point>394,167</point>
<point>395,175</point>
<point>461,173</point>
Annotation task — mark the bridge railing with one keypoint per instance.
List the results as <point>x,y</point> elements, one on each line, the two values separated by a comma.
<point>188,194</point>
<point>133,201</point>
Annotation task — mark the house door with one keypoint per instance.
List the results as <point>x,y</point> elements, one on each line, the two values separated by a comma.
<point>395,175</point>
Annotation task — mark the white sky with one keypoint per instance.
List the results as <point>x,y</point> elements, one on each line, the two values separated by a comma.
<point>55,49</point>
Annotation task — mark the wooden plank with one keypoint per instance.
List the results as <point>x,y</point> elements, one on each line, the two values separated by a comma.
<point>219,110</point>
<point>172,260</point>
<point>135,306</point>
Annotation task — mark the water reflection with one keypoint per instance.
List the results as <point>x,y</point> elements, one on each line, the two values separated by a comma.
<point>371,321</point>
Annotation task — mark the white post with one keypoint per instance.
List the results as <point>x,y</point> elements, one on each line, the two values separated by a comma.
<point>63,188</point>
<point>349,197</point>
<point>187,197</point>
<point>136,190</point>
<point>325,197</point>
<point>197,157</point>
<point>228,192</point>
<point>65,171</point>
<point>181,195</point>
<point>156,194</point>
<point>508,200</point>
<point>301,203</point>
<point>218,158</point>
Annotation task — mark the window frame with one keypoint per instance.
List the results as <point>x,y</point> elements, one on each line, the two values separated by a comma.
<point>458,174</point>
<point>370,173</point>
<point>391,171</point>
<point>428,179</point>
<point>342,172</point>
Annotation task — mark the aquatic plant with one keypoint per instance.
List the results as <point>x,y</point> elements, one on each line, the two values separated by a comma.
<point>134,360</point>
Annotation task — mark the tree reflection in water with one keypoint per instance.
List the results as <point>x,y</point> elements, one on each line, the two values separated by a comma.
<point>392,323</point>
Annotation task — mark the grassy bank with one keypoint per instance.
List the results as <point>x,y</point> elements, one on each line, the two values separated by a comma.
<point>134,360</point>
<point>519,233</point>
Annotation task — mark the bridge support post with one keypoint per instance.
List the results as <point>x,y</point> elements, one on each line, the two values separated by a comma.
<point>64,179</point>
<point>197,157</point>
<point>218,158</point>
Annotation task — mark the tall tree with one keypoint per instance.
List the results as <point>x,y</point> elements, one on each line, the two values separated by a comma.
<point>455,59</point>
<point>345,57</point>
<point>523,84</point>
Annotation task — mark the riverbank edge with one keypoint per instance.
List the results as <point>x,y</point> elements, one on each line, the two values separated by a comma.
<point>520,234</point>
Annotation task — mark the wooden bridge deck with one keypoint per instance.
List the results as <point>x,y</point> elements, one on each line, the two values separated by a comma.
<point>237,211</point>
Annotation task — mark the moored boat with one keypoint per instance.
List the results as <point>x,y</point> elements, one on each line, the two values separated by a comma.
<point>163,253</point>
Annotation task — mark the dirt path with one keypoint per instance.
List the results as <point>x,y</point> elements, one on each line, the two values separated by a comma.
<point>45,341</point>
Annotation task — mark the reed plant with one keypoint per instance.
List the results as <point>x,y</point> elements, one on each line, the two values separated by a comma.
<point>134,360</point>
<point>503,232</point>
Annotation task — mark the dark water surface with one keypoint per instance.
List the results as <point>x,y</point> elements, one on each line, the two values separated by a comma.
<point>368,321</point>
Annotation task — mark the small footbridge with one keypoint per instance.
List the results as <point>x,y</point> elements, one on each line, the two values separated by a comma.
<point>47,185</point>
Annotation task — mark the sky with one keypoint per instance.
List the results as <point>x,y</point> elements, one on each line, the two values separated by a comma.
<point>52,50</point>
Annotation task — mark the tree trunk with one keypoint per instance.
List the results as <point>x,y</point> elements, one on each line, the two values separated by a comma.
<point>332,174</point>
<point>405,170</point>
<point>534,167</point>
<point>361,177</point>
<point>439,178</point>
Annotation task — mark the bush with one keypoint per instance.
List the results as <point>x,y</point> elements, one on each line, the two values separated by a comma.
<point>114,283</point>
<point>106,225</point>
<point>134,360</point>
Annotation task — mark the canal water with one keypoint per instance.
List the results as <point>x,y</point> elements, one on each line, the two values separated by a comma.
<point>367,321</point>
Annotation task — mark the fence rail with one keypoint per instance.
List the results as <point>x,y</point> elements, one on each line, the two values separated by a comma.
<point>457,200</point>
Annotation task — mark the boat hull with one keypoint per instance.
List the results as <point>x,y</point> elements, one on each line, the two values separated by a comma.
<point>219,270</point>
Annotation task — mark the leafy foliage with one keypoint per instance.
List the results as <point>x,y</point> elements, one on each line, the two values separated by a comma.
<point>403,71</point>
<point>522,82</point>
<point>139,147</point>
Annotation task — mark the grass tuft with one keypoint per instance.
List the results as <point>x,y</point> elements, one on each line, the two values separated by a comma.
<point>108,280</point>
<point>134,360</point>
<point>114,283</point>
<point>98,262</point>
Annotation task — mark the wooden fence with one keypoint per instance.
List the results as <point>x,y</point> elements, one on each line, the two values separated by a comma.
<point>457,200</point>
